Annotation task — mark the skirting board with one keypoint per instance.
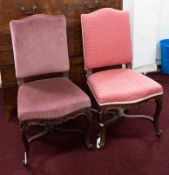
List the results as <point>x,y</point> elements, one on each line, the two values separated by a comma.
<point>158,61</point>
<point>147,68</point>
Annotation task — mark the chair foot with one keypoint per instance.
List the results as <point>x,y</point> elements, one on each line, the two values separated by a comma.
<point>103,137</point>
<point>100,143</point>
<point>101,140</point>
<point>24,127</point>
<point>159,132</point>
<point>25,161</point>
<point>157,129</point>
<point>88,142</point>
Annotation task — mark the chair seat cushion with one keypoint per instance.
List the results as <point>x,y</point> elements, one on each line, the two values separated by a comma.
<point>50,99</point>
<point>122,86</point>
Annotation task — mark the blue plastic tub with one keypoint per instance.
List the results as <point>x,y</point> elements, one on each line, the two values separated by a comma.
<point>164,44</point>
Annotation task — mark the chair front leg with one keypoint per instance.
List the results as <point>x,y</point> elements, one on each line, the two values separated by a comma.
<point>86,114</point>
<point>159,105</point>
<point>88,118</point>
<point>24,127</point>
<point>102,128</point>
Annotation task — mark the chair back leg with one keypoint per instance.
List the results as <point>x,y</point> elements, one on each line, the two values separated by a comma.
<point>159,105</point>
<point>102,125</point>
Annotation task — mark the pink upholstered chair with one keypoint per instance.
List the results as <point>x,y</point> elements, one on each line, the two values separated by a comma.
<point>40,47</point>
<point>106,43</point>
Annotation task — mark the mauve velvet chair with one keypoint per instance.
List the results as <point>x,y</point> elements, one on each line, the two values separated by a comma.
<point>107,43</point>
<point>40,47</point>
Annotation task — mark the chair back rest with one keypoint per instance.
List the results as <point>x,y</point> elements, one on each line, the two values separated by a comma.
<point>39,45</point>
<point>106,38</point>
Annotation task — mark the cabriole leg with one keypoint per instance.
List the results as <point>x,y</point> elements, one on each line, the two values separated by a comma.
<point>102,129</point>
<point>88,117</point>
<point>159,104</point>
<point>25,143</point>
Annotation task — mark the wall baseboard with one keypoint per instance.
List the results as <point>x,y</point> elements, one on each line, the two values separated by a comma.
<point>158,61</point>
<point>147,68</point>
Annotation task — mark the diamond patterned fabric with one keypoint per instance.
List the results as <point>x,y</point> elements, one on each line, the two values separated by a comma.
<point>122,86</point>
<point>106,38</point>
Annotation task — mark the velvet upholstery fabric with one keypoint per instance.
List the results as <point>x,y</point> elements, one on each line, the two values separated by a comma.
<point>106,38</point>
<point>39,45</point>
<point>50,99</point>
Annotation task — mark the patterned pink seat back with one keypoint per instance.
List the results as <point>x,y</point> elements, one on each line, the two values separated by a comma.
<point>39,45</point>
<point>106,38</point>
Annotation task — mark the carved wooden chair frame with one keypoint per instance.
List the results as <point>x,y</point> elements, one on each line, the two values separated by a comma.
<point>121,111</point>
<point>52,125</point>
